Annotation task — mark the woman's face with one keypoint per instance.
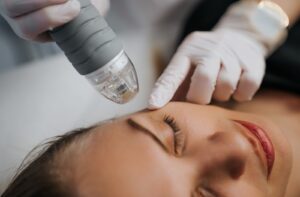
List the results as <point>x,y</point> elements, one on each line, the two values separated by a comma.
<point>185,150</point>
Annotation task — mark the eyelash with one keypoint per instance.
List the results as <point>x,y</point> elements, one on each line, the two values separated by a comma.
<point>179,137</point>
<point>179,144</point>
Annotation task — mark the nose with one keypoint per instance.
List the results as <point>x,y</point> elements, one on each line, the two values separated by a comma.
<point>228,152</point>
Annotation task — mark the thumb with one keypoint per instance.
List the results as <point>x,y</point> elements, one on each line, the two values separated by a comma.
<point>169,81</point>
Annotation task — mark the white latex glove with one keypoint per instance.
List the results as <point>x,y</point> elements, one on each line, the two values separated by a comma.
<point>31,19</point>
<point>227,62</point>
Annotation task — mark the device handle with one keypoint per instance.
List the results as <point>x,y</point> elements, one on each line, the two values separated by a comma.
<point>87,41</point>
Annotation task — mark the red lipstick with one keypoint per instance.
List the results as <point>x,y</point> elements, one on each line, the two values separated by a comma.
<point>263,139</point>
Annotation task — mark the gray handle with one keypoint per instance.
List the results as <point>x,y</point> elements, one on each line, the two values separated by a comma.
<point>87,41</point>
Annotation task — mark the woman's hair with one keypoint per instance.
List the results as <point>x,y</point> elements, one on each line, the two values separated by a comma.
<point>42,177</point>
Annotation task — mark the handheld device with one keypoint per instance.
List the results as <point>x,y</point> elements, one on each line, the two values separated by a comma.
<point>95,52</point>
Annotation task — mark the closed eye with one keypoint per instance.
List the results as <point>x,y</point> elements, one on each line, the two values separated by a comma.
<point>165,132</point>
<point>179,136</point>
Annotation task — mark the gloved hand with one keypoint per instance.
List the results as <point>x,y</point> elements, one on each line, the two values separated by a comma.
<point>228,62</point>
<point>31,19</point>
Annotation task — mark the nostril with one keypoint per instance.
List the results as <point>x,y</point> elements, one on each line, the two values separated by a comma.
<point>235,166</point>
<point>233,150</point>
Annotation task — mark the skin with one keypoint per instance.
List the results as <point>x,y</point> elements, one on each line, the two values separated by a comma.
<point>135,156</point>
<point>284,110</point>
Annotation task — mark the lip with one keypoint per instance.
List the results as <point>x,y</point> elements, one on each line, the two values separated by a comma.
<point>263,139</point>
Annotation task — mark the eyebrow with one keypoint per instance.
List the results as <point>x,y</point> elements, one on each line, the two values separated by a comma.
<point>137,126</point>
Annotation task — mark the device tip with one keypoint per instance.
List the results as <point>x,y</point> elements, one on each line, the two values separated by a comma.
<point>116,81</point>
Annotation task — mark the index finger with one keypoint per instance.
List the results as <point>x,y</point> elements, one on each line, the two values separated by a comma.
<point>169,81</point>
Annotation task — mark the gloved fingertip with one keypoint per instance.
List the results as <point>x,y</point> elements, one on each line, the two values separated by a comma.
<point>157,101</point>
<point>75,5</point>
<point>155,104</point>
<point>70,9</point>
<point>152,106</point>
<point>249,98</point>
<point>242,98</point>
<point>198,100</point>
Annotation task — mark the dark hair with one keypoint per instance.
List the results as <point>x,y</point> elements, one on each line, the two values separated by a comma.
<point>41,177</point>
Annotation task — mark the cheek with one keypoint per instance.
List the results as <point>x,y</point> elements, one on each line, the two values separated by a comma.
<point>242,189</point>
<point>200,127</point>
